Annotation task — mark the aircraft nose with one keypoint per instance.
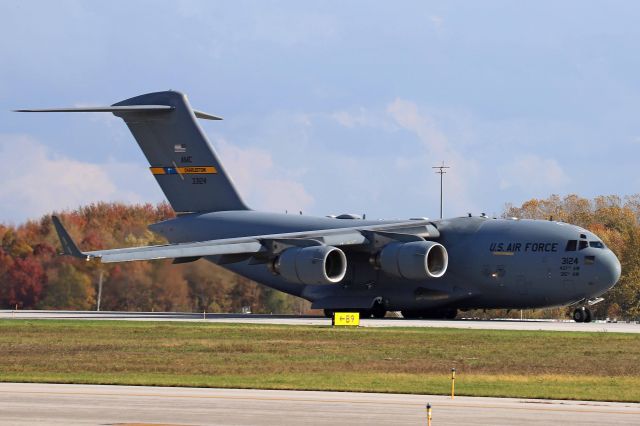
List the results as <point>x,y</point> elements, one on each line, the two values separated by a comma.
<point>611,269</point>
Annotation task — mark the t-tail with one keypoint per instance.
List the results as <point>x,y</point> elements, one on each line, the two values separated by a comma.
<point>181,158</point>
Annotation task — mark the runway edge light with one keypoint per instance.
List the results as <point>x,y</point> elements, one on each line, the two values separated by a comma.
<point>346,319</point>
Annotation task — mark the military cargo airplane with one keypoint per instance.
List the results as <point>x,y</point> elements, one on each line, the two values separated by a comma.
<point>423,268</point>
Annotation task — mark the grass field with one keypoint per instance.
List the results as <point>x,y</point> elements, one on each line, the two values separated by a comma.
<point>562,365</point>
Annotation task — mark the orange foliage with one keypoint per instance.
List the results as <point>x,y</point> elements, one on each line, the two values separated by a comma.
<point>27,251</point>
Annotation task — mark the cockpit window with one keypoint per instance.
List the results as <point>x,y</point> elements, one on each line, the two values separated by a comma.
<point>571,245</point>
<point>596,244</point>
<point>583,245</point>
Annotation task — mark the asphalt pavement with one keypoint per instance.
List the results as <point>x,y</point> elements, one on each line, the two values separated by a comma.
<point>58,404</point>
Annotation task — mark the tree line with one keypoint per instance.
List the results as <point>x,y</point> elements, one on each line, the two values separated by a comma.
<point>34,276</point>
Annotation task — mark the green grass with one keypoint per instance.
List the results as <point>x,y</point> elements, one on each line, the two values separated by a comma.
<point>563,365</point>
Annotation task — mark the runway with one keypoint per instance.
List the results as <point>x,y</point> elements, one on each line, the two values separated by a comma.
<point>546,325</point>
<point>23,403</point>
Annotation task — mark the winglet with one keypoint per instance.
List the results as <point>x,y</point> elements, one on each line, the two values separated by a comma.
<point>69,248</point>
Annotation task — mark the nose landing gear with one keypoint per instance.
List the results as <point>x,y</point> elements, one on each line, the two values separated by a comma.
<point>582,314</point>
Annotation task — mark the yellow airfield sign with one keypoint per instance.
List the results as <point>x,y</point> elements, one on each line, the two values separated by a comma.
<point>351,319</point>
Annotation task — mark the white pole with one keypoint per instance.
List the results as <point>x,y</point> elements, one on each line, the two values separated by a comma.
<point>99,291</point>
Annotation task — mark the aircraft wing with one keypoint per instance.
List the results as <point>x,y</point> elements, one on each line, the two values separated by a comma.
<point>253,244</point>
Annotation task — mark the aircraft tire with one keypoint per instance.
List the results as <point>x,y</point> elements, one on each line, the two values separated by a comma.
<point>328,313</point>
<point>378,311</point>
<point>587,312</point>
<point>579,315</point>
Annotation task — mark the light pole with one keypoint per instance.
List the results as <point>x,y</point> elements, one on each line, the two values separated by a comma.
<point>99,291</point>
<point>441,172</point>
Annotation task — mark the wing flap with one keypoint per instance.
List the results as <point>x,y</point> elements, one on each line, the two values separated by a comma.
<point>174,251</point>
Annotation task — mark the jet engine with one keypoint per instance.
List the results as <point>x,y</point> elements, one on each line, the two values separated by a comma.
<point>416,260</point>
<point>311,265</point>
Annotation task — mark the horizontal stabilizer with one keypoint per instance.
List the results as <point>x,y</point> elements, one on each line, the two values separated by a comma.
<point>121,110</point>
<point>128,108</point>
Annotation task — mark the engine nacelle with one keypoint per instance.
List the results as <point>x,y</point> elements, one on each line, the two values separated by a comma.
<point>416,260</point>
<point>311,265</point>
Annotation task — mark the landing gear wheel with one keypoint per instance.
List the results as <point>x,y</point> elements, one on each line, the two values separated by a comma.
<point>587,311</point>
<point>580,315</point>
<point>328,313</point>
<point>378,311</point>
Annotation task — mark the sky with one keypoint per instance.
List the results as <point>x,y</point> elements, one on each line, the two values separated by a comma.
<point>329,106</point>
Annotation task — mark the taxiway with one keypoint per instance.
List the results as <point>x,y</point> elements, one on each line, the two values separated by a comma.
<point>546,325</point>
<point>25,403</point>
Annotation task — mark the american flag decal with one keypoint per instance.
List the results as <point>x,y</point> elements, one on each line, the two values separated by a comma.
<point>180,147</point>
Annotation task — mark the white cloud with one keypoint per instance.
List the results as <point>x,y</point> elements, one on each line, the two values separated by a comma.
<point>352,119</point>
<point>261,183</point>
<point>362,117</point>
<point>534,174</point>
<point>37,181</point>
<point>437,148</point>
<point>406,114</point>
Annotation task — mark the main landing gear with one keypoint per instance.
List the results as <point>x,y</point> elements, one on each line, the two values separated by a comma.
<point>582,314</point>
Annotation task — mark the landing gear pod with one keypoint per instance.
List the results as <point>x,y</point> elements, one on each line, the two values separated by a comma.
<point>417,260</point>
<point>312,265</point>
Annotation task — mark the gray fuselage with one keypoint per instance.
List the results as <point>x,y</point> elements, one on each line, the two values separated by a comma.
<point>493,263</point>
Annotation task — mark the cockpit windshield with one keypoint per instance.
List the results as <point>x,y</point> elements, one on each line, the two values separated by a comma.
<point>574,245</point>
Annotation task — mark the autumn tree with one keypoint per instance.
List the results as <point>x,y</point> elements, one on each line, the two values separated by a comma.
<point>68,288</point>
<point>22,283</point>
<point>209,286</point>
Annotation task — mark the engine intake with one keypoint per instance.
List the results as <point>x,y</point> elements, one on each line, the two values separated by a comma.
<point>311,265</point>
<point>416,260</point>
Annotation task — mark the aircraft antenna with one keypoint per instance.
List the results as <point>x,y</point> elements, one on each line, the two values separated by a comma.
<point>441,171</point>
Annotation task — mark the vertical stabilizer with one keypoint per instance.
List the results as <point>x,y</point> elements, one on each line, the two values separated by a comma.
<point>181,158</point>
